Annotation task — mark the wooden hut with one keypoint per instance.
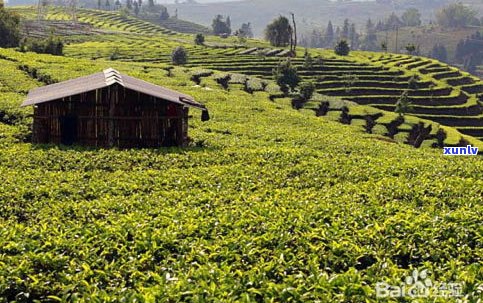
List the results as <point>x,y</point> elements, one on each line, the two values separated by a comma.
<point>110,109</point>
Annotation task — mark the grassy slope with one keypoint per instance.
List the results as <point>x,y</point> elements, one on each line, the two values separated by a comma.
<point>277,205</point>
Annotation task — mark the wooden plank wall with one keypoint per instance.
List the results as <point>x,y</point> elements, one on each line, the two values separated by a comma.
<point>114,115</point>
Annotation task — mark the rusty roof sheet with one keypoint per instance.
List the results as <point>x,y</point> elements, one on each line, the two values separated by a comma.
<point>104,79</point>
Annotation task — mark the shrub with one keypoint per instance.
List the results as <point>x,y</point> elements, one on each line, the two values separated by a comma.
<point>403,104</point>
<point>286,76</point>
<point>308,60</point>
<point>322,109</point>
<point>440,137</point>
<point>52,45</point>
<point>370,123</point>
<point>413,83</point>
<point>223,80</point>
<point>179,56</point>
<point>199,39</point>
<point>197,75</point>
<point>345,117</point>
<point>9,29</point>
<point>342,48</point>
<point>306,91</point>
<point>114,55</point>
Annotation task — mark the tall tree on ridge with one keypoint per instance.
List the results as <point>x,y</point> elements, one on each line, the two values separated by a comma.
<point>279,32</point>
<point>329,34</point>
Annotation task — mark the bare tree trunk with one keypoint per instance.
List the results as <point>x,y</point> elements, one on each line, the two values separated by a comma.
<point>295,34</point>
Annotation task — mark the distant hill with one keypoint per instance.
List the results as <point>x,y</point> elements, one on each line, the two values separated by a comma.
<point>310,13</point>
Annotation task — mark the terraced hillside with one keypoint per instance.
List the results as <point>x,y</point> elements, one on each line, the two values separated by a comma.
<point>439,92</point>
<point>267,204</point>
<point>180,26</point>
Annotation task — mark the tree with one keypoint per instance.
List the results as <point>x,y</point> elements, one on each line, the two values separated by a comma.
<point>456,15</point>
<point>345,30</point>
<point>411,17</point>
<point>411,48</point>
<point>228,21</point>
<point>286,76</point>
<point>164,14</point>
<point>179,56</point>
<point>136,8</point>
<point>9,29</point>
<point>413,82</point>
<point>151,3</point>
<point>308,60</point>
<point>370,40</point>
<point>353,37</point>
<point>220,26</point>
<point>316,39</point>
<point>99,4</point>
<point>245,30</point>
<point>129,4</point>
<point>384,46</point>
<point>199,39</point>
<point>306,91</point>
<point>403,105</point>
<point>471,63</point>
<point>470,50</point>
<point>279,32</point>
<point>393,22</point>
<point>439,52</point>
<point>117,4</point>
<point>329,35</point>
<point>342,48</point>
<point>50,45</point>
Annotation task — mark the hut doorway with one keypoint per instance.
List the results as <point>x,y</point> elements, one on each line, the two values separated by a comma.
<point>68,129</point>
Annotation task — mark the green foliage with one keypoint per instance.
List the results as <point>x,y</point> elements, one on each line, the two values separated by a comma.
<point>115,54</point>
<point>308,60</point>
<point>279,32</point>
<point>223,80</point>
<point>286,76</point>
<point>342,48</point>
<point>411,17</point>
<point>245,31</point>
<point>411,48</point>
<point>350,80</point>
<point>413,82</point>
<point>179,56</point>
<point>199,39</point>
<point>221,26</point>
<point>456,15</point>
<point>9,29</point>
<point>266,205</point>
<point>306,90</point>
<point>404,105</point>
<point>164,15</point>
<point>51,45</point>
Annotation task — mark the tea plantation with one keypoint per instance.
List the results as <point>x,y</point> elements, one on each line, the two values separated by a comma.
<point>268,204</point>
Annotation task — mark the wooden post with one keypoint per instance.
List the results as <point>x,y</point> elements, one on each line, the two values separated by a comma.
<point>113,96</point>
<point>295,35</point>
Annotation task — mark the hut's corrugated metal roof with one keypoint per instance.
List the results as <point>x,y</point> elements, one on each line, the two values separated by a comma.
<point>104,79</point>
